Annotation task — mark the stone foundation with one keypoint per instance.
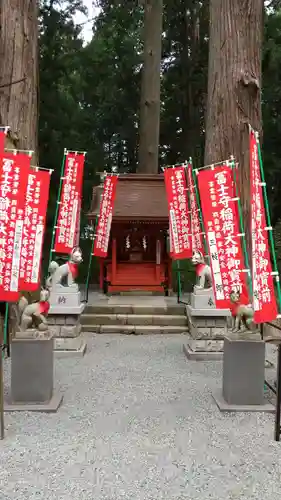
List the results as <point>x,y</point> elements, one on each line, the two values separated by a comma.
<point>66,331</point>
<point>208,327</point>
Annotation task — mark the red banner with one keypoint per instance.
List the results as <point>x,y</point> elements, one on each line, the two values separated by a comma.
<point>222,228</point>
<point>13,182</point>
<point>196,231</point>
<point>36,201</point>
<point>3,133</point>
<point>105,216</point>
<point>69,203</point>
<point>179,221</point>
<point>264,302</point>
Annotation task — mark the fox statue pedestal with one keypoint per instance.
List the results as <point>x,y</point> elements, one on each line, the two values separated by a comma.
<point>32,373</point>
<point>64,320</point>
<point>207,326</point>
<point>66,307</point>
<point>243,374</point>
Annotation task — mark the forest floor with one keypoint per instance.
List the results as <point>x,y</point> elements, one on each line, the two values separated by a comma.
<point>138,422</point>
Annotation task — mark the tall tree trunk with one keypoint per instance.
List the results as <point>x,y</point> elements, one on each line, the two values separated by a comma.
<point>234,85</point>
<point>19,71</point>
<point>150,88</point>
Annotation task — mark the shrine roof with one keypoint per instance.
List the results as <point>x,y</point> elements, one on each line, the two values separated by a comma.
<point>138,196</point>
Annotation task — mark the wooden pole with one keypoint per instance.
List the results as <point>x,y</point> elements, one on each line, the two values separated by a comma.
<point>2,430</point>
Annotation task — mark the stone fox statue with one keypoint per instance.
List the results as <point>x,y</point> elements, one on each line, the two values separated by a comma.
<point>34,315</point>
<point>242,312</point>
<point>203,271</point>
<point>66,272</point>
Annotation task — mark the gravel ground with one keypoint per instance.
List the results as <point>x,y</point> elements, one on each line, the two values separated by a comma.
<point>138,422</point>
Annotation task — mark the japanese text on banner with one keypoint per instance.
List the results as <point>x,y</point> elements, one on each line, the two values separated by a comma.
<point>264,301</point>
<point>196,231</point>
<point>220,215</point>
<point>179,221</point>
<point>105,216</point>
<point>13,182</point>
<point>69,204</point>
<point>36,201</point>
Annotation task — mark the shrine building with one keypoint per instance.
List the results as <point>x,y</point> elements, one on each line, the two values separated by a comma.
<point>138,258</point>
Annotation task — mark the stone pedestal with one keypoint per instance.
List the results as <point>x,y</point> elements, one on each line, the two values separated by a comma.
<point>208,327</point>
<point>64,321</point>
<point>65,300</point>
<point>32,373</point>
<point>243,374</point>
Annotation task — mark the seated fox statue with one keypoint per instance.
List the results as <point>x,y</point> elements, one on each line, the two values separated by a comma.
<point>34,315</point>
<point>65,275</point>
<point>242,312</point>
<point>203,271</point>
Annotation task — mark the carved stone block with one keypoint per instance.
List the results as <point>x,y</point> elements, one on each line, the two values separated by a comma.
<point>69,331</point>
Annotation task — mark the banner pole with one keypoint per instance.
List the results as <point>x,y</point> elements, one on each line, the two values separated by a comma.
<point>244,246</point>
<point>6,339</point>
<point>268,221</point>
<point>194,170</point>
<point>57,208</point>
<point>2,429</point>
<point>90,261</point>
<point>179,291</point>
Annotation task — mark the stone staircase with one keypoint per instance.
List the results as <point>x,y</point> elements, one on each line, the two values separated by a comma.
<point>134,317</point>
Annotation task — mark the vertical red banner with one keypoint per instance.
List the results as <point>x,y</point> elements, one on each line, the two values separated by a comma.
<point>219,209</point>
<point>3,133</point>
<point>105,216</point>
<point>36,202</point>
<point>179,221</point>
<point>264,301</point>
<point>196,231</point>
<point>14,172</point>
<point>69,203</point>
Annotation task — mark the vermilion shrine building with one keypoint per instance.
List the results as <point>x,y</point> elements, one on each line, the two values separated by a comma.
<point>137,257</point>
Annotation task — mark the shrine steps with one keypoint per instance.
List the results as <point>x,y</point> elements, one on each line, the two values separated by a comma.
<point>137,320</point>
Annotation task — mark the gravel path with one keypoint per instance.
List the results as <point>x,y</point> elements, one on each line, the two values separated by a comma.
<point>138,422</point>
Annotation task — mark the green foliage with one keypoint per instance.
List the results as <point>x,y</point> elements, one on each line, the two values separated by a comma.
<point>271,101</point>
<point>90,94</point>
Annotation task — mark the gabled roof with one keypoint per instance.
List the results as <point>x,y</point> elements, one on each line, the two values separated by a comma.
<point>138,196</point>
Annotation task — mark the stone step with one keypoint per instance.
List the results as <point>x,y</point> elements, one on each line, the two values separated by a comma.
<point>133,319</point>
<point>134,329</point>
<point>147,310</point>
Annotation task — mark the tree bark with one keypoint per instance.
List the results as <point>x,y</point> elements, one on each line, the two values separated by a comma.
<point>234,86</point>
<point>19,72</point>
<point>150,88</point>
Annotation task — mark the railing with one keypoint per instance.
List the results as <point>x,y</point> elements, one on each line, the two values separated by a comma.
<point>277,391</point>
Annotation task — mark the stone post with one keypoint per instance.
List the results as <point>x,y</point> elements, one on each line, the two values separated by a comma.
<point>32,373</point>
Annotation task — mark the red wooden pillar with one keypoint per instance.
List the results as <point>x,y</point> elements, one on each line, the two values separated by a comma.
<point>113,257</point>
